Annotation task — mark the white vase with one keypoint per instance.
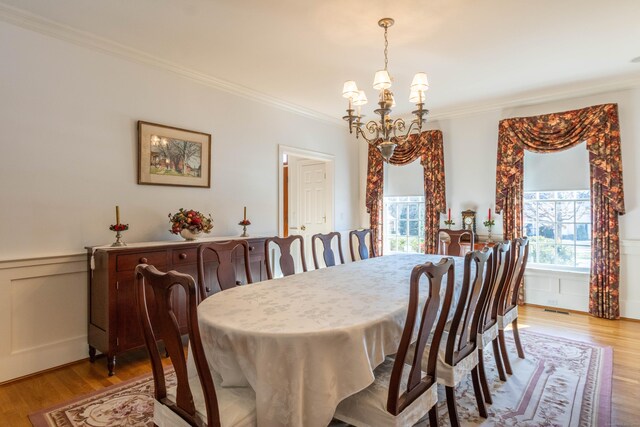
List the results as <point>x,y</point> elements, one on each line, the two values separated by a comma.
<point>190,235</point>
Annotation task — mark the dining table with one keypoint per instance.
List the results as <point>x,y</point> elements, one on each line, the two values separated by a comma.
<point>307,341</point>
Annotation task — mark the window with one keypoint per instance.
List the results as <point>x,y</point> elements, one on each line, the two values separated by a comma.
<point>404,224</point>
<point>558,224</point>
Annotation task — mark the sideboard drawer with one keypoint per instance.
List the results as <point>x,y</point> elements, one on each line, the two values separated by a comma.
<point>184,256</point>
<point>256,249</point>
<point>129,261</point>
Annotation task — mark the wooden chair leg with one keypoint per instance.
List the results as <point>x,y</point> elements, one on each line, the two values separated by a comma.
<point>451,406</point>
<point>433,416</point>
<point>483,379</point>
<point>477,390</point>
<point>516,338</point>
<point>496,356</point>
<point>505,354</point>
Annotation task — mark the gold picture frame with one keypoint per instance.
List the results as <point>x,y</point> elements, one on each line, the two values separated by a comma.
<point>172,156</point>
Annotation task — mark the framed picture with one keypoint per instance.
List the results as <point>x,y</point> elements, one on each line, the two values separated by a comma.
<point>173,156</point>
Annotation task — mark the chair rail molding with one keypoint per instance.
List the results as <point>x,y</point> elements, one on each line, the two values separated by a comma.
<point>43,313</point>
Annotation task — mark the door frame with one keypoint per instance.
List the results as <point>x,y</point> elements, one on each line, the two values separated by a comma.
<point>329,159</point>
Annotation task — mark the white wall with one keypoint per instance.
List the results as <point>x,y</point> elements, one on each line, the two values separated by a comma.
<point>69,154</point>
<point>69,144</point>
<point>470,146</point>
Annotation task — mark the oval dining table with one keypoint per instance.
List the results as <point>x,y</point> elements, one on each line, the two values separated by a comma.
<point>307,341</point>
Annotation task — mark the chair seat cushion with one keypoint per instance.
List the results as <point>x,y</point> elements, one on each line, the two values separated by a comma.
<point>237,406</point>
<point>484,339</point>
<point>369,406</point>
<point>448,375</point>
<point>508,318</point>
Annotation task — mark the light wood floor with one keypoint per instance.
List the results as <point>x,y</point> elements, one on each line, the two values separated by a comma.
<point>19,398</point>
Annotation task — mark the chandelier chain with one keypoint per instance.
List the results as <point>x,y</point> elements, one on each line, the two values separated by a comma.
<point>386,48</point>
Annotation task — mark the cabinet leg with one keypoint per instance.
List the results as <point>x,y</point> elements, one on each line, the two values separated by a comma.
<point>111,363</point>
<point>92,354</point>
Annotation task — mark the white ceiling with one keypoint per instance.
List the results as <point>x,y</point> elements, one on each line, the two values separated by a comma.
<point>300,52</point>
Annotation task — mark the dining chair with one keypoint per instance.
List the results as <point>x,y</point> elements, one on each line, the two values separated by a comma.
<point>328,254</point>
<point>455,247</point>
<point>459,357</point>
<point>508,299</point>
<point>488,333</point>
<point>226,269</point>
<point>286,261</point>
<point>195,400</point>
<point>402,393</point>
<point>364,251</point>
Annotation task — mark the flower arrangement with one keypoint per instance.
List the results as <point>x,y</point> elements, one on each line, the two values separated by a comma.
<point>191,220</point>
<point>244,222</point>
<point>489,223</point>
<point>119,227</point>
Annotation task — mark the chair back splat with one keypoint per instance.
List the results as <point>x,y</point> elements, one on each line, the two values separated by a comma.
<point>226,270</point>
<point>500,272</point>
<point>518,263</point>
<point>287,264</point>
<point>155,299</point>
<point>364,251</point>
<point>417,384</point>
<point>466,319</point>
<point>455,246</point>
<point>327,252</point>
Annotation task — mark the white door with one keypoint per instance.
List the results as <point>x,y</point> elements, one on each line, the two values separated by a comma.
<point>312,199</point>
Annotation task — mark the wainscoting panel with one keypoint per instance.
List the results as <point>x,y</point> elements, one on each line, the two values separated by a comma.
<point>570,290</point>
<point>630,279</point>
<point>43,314</point>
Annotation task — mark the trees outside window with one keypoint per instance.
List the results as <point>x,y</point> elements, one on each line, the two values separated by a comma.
<point>558,224</point>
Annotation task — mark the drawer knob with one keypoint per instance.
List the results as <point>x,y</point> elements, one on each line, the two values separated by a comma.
<point>251,248</point>
<point>182,256</point>
<point>143,260</point>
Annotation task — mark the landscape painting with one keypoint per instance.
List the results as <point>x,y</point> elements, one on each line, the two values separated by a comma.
<point>173,156</point>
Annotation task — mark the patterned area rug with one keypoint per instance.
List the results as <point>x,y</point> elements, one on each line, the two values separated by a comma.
<point>560,383</point>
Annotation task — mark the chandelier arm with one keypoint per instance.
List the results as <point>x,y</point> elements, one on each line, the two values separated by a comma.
<point>372,128</point>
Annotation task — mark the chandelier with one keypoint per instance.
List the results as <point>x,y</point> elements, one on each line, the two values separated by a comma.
<point>385,133</point>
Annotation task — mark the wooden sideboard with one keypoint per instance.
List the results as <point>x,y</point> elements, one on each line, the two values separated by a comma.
<point>114,326</point>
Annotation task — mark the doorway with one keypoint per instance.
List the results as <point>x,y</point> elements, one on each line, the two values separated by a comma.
<point>305,194</point>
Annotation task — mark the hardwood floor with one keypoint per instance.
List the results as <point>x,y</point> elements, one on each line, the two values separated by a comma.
<point>21,397</point>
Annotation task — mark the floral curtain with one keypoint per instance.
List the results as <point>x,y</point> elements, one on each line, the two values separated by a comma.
<point>599,127</point>
<point>428,147</point>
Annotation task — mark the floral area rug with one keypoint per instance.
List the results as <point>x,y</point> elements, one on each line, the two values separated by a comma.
<point>560,383</point>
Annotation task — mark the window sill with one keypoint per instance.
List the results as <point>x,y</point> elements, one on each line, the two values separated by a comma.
<point>540,270</point>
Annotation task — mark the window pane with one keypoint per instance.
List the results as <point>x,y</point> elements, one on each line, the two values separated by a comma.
<point>530,210</point>
<point>530,229</point>
<point>567,233</point>
<point>564,212</point>
<point>530,195</point>
<point>413,228</point>
<point>547,211</point>
<point>402,227</point>
<point>565,255</point>
<point>583,211</point>
<point>583,234</point>
<point>546,252</point>
<point>546,195</point>
<point>413,211</point>
<point>414,244</point>
<point>583,195</point>
<point>393,244</point>
<point>402,211</point>
<point>547,230</point>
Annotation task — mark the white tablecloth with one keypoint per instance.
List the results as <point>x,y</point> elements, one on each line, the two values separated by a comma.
<point>307,341</point>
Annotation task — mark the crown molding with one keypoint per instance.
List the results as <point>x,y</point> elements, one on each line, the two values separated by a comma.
<point>30,21</point>
<point>539,97</point>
